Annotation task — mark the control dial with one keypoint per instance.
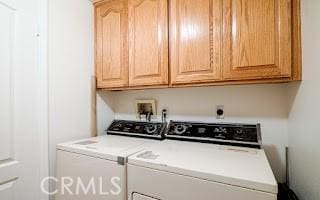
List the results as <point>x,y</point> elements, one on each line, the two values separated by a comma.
<point>151,128</point>
<point>180,129</point>
<point>239,132</point>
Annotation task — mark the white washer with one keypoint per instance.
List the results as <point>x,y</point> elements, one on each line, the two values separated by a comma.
<point>101,160</point>
<point>178,170</point>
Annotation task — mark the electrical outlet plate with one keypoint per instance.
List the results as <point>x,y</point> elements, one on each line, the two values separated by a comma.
<point>220,116</point>
<point>146,105</point>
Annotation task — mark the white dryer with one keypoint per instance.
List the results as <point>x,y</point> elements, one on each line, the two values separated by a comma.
<point>95,168</point>
<point>193,170</point>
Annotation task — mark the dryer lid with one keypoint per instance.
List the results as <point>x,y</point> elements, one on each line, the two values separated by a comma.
<point>238,166</point>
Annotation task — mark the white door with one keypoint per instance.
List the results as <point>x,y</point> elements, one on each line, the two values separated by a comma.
<point>137,196</point>
<point>8,164</point>
<point>21,163</point>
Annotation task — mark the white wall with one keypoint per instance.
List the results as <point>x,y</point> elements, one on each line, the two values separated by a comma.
<point>70,60</point>
<point>265,104</point>
<point>304,129</point>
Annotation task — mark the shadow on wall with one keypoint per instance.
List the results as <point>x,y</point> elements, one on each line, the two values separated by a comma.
<point>275,156</point>
<point>239,101</point>
<point>107,98</point>
<point>105,111</point>
<point>293,91</point>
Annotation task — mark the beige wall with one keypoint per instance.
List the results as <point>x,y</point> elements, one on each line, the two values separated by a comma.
<point>265,104</point>
<point>304,118</point>
<point>70,62</point>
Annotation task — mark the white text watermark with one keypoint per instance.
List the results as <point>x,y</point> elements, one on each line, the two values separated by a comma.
<point>78,186</point>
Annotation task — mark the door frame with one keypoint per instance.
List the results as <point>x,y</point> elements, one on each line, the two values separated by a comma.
<point>44,94</point>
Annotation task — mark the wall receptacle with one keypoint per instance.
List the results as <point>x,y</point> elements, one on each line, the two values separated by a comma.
<point>220,111</point>
<point>146,107</point>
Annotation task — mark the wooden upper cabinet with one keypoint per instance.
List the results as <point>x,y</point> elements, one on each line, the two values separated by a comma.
<point>211,42</point>
<point>256,39</point>
<point>148,42</point>
<point>112,44</point>
<point>195,41</point>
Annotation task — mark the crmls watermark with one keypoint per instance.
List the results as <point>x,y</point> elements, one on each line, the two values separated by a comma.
<point>76,186</point>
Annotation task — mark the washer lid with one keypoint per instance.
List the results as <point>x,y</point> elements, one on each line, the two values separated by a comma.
<point>109,147</point>
<point>238,166</point>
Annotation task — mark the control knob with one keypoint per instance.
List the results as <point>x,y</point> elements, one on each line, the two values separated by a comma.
<point>180,129</point>
<point>151,129</point>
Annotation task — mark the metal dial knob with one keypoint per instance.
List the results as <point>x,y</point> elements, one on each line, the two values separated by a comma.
<point>180,129</point>
<point>151,129</point>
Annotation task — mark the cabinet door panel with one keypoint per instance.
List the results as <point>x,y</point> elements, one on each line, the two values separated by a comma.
<point>195,39</point>
<point>112,47</point>
<point>257,39</point>
<point>148,42</point>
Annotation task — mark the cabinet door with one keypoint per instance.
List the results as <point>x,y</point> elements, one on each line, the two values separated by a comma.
<point>111,44</point>
<point>195,40</point>
<point>148,42</point>
<point>256,39</point>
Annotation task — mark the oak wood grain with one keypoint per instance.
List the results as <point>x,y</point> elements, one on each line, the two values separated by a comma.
<point>256,39</point>
<point>195,40</point>
<point>93,106</point>
<point>148,42</point>
<point>206,84</point>
<point>112,44</point>
<point>296,41</point>
<point>212,42</point>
